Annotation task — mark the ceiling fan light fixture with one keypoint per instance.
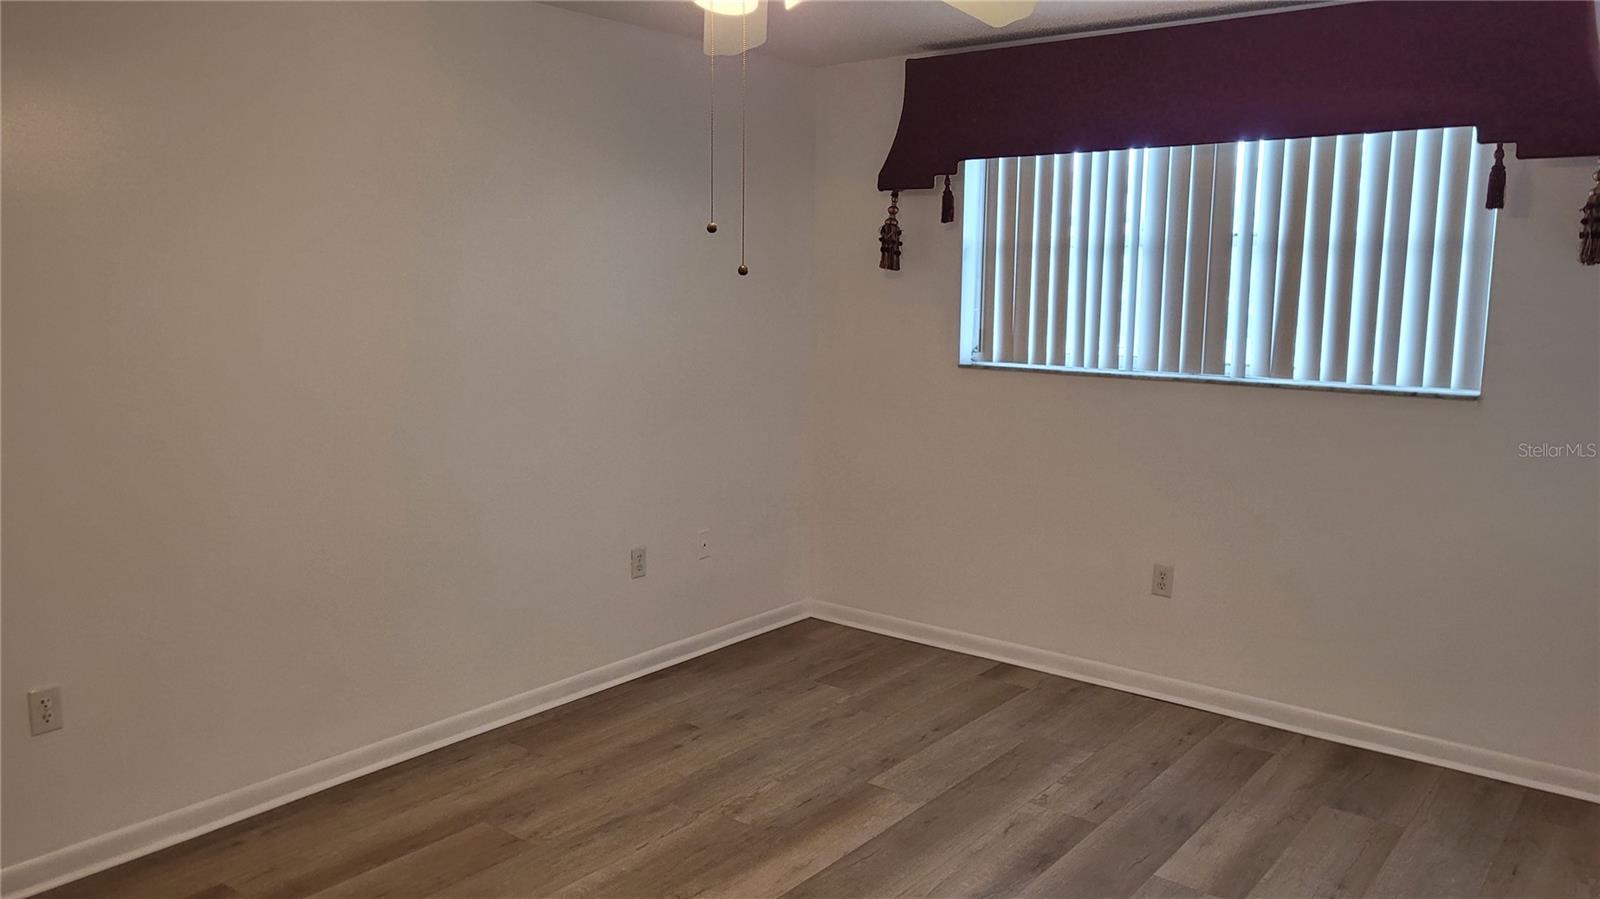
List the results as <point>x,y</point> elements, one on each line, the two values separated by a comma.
<point>728,7</point>
<point>995,13</point>
<point>726,33</point>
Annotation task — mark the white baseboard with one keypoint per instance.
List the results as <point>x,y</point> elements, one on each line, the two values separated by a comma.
<point>70,863</point>
<point>1420,747</point>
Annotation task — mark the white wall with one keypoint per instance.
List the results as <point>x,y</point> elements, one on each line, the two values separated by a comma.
<point>1383,558</point>
<point>347,349</point>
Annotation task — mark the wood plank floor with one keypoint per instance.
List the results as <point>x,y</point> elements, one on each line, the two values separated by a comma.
<point>818,760</point>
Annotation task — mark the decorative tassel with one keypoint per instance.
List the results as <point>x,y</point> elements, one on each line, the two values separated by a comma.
<point>1589,232</point>
<point>889,236</point>
<point>947,209</point>
<point>1495,196</point>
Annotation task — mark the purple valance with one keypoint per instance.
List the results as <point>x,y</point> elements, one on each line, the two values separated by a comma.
<point>1522,71</point>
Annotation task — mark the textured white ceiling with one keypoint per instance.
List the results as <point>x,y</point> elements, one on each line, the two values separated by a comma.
<point>826,32</point>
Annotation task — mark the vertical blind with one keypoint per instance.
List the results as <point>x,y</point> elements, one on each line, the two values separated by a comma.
<point>1356,260</point>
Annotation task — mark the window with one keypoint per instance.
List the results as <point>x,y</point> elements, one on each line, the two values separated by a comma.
<point>1353,261</point>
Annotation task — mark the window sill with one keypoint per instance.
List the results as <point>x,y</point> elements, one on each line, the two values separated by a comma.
<point>1435,393</point>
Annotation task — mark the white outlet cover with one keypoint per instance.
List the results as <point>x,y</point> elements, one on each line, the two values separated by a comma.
<point>44,710</point>
<point>1161,580</point>
<point>636,562</point>
<point>704,544</point>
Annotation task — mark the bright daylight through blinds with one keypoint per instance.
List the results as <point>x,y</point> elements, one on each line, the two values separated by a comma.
<point>1360,260</point>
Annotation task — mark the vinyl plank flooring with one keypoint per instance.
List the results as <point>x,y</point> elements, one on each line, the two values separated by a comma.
<point>546,865</point>
<point>791,849</point>
<point>297,833</point>
<point>874,667</point>
<point>756,706</point>
<point>932,675</point>
<point>430,868</point>
<point>1386,788</point>
<point>1125,851</point>
<point>888,863</point>
<point>1449,846</point>
<point>684,863</point>
<point>782,655</point>
<point>1007,857</point>
<point>1335,856</point>
<point>1256,736</point>
<point>562,807</point>
<point>1091,716</point>
<point>948,761</point>
<point>1022,677</point>
<point>1542,858</point>
<point>1108,779</point>
<point>369,845</point>
<point>820,760</point>
<point>660,797</point>
<point>220,891</point>
<point>541,800</point>
<point>1233,849</point>
<point>870,753</point>
<point>732,769</point>
<point>1564,811</point>
<point>1161,888</point>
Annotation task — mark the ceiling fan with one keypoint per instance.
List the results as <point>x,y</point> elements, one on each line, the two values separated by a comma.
<point>734,27</point>
<point>734,24</point>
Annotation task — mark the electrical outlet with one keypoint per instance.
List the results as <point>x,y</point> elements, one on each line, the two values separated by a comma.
<point>44,710</point>
<point>705,543</point>
<point>1161,581</point>
<point>636,562</point>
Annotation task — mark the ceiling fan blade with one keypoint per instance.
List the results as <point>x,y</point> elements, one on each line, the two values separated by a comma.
<point>995,13</point>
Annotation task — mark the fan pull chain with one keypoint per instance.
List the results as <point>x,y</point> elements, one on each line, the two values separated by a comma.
<point>744,74</point>
<point>711,167</point>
